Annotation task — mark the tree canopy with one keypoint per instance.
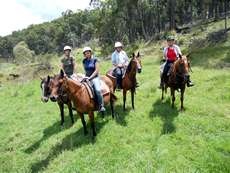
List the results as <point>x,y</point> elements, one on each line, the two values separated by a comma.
<point>113,20</point>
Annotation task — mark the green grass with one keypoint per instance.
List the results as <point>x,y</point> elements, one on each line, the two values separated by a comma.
<point>153,138</point>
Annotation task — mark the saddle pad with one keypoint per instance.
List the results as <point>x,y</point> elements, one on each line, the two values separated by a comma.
<point>104,89</point>
<point>77,77</point>
<point>110,73</point>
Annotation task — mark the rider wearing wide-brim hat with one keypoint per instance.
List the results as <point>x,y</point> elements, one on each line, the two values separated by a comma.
<point>171,53</point>
<point>91,67</point>
<point>120,61</point>
<point>67,62</point>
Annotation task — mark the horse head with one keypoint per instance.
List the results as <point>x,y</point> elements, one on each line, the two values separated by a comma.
<point>135,63</point>
<point>182,66</point>
<point>45,82</point>
<point>56,87</point>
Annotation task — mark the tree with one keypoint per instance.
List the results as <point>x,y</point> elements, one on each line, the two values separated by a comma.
<point>22,53</point>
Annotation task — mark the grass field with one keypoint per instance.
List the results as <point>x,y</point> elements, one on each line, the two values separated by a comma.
<point>153,138</point>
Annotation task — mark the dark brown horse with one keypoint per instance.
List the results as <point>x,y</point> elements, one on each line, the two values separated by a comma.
<point>63,98</point>
<point>129,79</point>
<point>81,99</point>
<point>177,79</point>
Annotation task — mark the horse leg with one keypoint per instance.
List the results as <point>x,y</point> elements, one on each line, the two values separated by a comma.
<point>83,122</point>
<point>61,107</point>
<point>124,98</point>
<point>91,117</point>
<point>162,94</point>
<point>112,106</point>
<point>182,99</point>
<point>132,97</point>
<point>70,111</point>
<point>173,97</point>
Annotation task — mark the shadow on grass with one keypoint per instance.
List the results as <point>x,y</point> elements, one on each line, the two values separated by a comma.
<point>120,114</point>
<point>166,113</point>
<point>48,132</point>
<point>70,142</point>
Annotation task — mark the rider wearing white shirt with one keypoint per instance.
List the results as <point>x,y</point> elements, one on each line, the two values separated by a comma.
<point>120,61</point>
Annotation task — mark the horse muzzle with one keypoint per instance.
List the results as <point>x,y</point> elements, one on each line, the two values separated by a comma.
<point>53,98</point>
<point>139,70</point>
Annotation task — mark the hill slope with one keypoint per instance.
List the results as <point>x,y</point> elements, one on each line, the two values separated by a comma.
<point>153,138</point>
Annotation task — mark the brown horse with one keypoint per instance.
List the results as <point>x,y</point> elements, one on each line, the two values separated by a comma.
<point>81,99</point>
<point>177,79</point>
<point>63,98</point>
<point>129,79</point>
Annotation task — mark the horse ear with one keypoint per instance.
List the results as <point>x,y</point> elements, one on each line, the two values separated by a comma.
<point>138,54</point>
<point>48,78</point>
<point>133,55</point>
<point>62,73</point>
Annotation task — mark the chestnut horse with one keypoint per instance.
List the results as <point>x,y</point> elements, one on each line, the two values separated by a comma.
<point>177,79</point>
<point>129,79</point>
<point>62,99</point>
<point>81,99</point>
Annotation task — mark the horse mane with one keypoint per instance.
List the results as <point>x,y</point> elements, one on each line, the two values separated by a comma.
<point>129,66</point>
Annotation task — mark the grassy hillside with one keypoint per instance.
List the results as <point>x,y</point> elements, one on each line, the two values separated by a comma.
<point>153,138</point>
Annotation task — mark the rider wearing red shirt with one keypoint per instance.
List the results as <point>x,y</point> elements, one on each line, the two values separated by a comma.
<point>171,53</point>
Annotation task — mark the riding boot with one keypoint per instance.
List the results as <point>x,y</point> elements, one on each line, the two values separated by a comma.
<point>101,108</point>
<point>100,102</point>
<point>119,82</point>
<point>189,82</point>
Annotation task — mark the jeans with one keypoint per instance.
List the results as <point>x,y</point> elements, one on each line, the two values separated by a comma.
<point>118,73</point>
<point>97,89</point>
<point>166,68</point>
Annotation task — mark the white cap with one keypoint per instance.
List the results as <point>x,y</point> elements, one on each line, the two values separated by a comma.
<point>118,44</point>
<point>67,48</point>
<point>87,49</point>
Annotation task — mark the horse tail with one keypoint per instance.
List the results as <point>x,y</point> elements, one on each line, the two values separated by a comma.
<point>113,97</point>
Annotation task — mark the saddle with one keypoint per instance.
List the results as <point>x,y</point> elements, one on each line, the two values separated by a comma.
<point>112,75</point>
<point>89,86</point>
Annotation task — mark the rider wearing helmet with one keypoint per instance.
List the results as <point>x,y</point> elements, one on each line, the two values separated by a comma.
<point>171,54</point>
<point>91,67</point>
<point>120,61</point>
<point>67,62</point>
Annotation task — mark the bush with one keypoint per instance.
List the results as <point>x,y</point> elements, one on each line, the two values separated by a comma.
<point>22,53</point>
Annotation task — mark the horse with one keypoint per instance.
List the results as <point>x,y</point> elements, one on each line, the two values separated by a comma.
<point>129,79</point>
<point>177,79</point>
<point>63,99</point>
<point>81,99</point>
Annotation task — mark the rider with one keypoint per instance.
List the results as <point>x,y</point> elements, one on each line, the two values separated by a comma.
<point>171,54</point>
<point>91,67</point>
<point>120,61</point>
<point>67,62</point>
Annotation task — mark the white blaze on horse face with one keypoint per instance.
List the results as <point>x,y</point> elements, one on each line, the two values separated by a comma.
<point>43,90</point>
<point>44,98</point>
